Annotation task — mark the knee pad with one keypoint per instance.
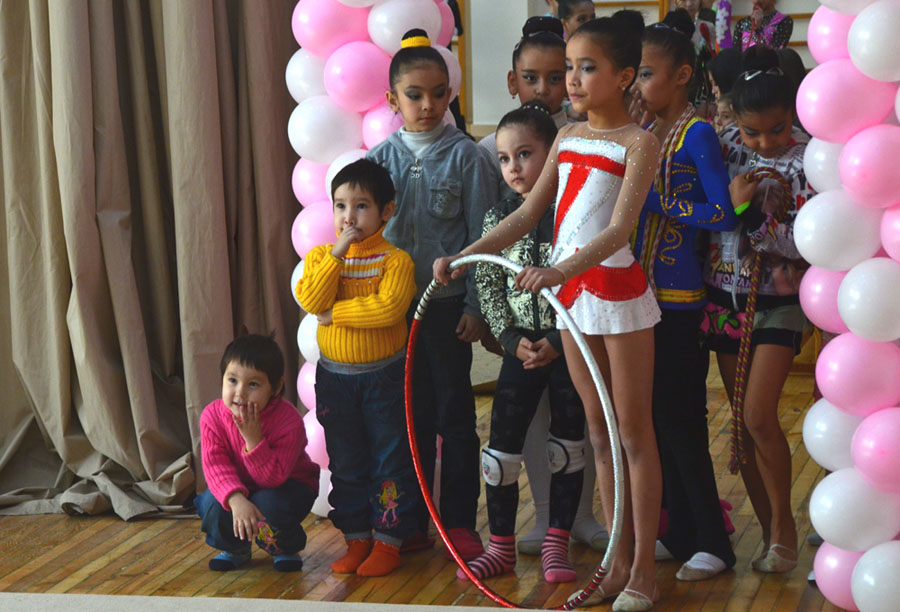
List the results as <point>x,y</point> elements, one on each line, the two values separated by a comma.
<point>499,468</point>
<point>565,456</point>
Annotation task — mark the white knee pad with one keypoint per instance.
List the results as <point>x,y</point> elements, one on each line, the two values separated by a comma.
<point>565,456</point>
<point>499,468</point>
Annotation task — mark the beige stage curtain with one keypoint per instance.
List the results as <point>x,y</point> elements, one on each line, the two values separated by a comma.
<point>146,214</point>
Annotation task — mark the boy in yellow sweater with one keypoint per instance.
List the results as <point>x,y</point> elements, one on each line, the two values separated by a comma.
<point>360,288</point>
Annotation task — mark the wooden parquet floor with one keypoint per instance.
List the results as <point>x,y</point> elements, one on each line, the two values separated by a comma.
<point>105,555</point>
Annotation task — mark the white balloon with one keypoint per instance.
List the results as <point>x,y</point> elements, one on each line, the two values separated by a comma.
<point>820,164</point>
<point>869,299</point>
<point>833,232</point>
<point>305,75</point>
<point>391,19</point>
<point>358,3</point>
<point>852,514</point>
<point>827,434</point>
<point>320,130</point>
<point>453,69</point>
<point>847,7</point>
<point>874,583</point>
<point>874,43</point>
<point>342,160</point>
<point>296,275</point>
<point>306,338</point>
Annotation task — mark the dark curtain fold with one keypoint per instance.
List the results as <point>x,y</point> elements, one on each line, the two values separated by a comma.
<point>146,209</point>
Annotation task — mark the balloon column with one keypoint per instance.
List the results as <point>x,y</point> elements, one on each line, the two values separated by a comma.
<point>338,78</point>
<point>850,233</point>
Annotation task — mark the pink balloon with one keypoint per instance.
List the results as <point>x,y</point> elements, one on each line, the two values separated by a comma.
<point>876,449</point>
<point>448,25</point>
<point>833,568</point>
<point>306,386</point>
<point>818,297</point>
<point>315,440</point>
<point>827,34</point>
<point>859,376</point>
<point>867,166</point>
<point>890,232</point>
<point>321,26</point>
<point>379,123</point>
<point>308,180</point>
<point>356,75</point>
<point>312,227</point>
<point>835,101</point>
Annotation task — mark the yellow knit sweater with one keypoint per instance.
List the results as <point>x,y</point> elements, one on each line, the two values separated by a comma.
<point>368,291</point>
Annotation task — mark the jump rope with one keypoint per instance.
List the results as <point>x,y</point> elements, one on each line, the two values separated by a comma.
<point>608,412</point>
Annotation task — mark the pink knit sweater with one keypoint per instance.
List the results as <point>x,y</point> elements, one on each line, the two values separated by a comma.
<point>279,456</point>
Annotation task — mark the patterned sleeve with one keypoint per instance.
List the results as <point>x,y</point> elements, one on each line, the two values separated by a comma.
<point>783,32</point>
<point>491,282</point>
<point>702,145</point>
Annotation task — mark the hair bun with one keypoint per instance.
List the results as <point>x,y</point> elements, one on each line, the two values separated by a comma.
<point>759,57</point>
<point>536,25</point>
<point>630,19</point>
<point>415,38</point>
<point>536,105</point>
<point>680,21</point>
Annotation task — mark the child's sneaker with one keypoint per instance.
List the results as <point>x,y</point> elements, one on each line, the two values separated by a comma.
<point>467,542</point>
<point>383,560</point>
<point>288,563</point>
<point>357,551</point>
<point>226,561</point>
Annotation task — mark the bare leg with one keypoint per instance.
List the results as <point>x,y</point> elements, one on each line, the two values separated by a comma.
<point>631,383</point>
<point>619,573</point>
<point>769,367</point>
<point>631,359</point>
<point>753,481</point>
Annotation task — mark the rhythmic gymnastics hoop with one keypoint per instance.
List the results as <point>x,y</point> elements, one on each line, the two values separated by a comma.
<point>608,412</point>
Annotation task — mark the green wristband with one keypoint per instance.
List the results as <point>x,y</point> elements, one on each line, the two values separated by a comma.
<point>738,210</point>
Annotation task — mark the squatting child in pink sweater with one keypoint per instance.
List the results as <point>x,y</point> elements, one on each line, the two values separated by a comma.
<point>262,483</point>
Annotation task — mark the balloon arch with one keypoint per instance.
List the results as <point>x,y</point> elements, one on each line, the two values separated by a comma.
<point>849,232</point>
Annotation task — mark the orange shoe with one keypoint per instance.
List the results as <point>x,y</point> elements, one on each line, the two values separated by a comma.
<point>383,560</point>
<point>357,551</point>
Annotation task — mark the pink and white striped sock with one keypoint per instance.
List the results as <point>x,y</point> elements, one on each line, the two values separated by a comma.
<point>499,558</point>
<point>555,557</point>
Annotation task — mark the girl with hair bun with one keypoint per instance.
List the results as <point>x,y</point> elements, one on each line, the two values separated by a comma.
<point>601,170</point>
<point>443,182</point>
<point>574,14</point>
<point>753,320</point>
<point>690,194</point>
<point>539,74</point>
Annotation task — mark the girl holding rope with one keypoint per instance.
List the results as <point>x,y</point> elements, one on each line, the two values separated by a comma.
<point>753,320</point>
<point>599,173</point>
<point>690,195</point>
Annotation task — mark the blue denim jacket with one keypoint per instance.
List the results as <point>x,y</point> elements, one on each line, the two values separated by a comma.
<point>441,199</point>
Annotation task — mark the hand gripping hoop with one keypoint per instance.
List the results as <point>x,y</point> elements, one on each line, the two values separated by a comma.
<point>609,414</point>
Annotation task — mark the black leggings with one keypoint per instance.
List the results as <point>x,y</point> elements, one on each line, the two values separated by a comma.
<point>515,402</point>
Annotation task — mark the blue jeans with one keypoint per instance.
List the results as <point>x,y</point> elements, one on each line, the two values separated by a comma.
<point>372,476</point>
<point>445,404</point>
<point>284,507</point>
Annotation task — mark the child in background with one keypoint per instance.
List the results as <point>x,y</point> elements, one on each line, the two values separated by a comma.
<point>764,26</point>
<point>690,195</point>
<point>360,288</point>
<point>525,324</point>
<point>603,170</point>
<point>443,181</point>
<point>574,13</point>
<point>763,103</point>
<point>724,69</point>
<point>539,73</point>
<point>724,115</point>
<point>262,483</point>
